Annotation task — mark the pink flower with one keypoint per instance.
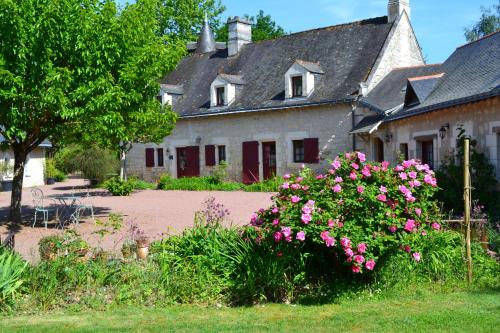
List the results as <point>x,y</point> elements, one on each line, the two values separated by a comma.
<point>336,164</point>
<point>418,211</point>
<point>417,256</point>
<point>348,252</point>
<point>305,187</point>
<point>338,179</point>
<point>412,174</point>
<point>285,185</point>
<point>410,225</point>
<point>381,197</point>
<point>424,233</point>
<point>340,224</point>
<point>360,189</point>
<point>362,157</point>
<point>362,248</point>
<point>287,176</point>
<point>306,210</point>
<point>407,164</point>
<point>319,177</point>
<point>403,176</point>
<point>276,222</point>
<point>295,186</point>
<point>348,156</point>
<point>355,166</point>
<point>329,241</point>
<point>286,231</point>
<point>306,218</point>
<point>404,189</point>
<point>436,226</point>
<point>410,197</point>
<point>277,236</point>
<point>428,179</point>
<point>331,223</point>
<point>366,172</point>
<point>393,228</point>
<point>383,189</point>
<point>353,175</point>
<point>288,239</point>
<point>345,242</point>
<point>299,179</point>
<point>399,168</point>
<point>359,259</point>
<point>337,188</point>
<point>407,249</point>
<point>280,254</point>
<point>370,264</point>
<point>355,269</point>
<point>275,210</point>
<point>311,203</point>
<point>301,236</point>
<point>295,199</point>
<point>385,165</point>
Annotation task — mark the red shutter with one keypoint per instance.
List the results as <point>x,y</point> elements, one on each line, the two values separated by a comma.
<point>210,155</point>
<point>250,162</point>
<point>150,157</point>
<point>311,150</point>
<point>159,153</point>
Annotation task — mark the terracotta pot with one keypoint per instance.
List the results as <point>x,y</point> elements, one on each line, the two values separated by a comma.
<point>142,252</point>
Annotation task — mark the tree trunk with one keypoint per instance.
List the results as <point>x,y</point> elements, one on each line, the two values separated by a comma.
<point>17,185</point>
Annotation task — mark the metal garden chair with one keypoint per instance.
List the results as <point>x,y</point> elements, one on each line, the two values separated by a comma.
<point>85,204</point>
<point>38,201</point>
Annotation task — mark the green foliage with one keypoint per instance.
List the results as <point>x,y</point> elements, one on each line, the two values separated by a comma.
<point>5,169</point>
<point>12,270</point>
<point>140,184</point>
<point>213,184</point>
<point>219,173</point>
<point>119,187</point>
<point>487,24</point>
<point>95,163</point>
<point>484,183</point>
<point>65,158</point>
<point>263,28</point>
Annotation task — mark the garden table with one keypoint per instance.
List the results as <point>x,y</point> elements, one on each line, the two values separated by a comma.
<point>67,206</point>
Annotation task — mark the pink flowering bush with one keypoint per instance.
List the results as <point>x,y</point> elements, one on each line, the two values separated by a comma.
<point>353,215</point>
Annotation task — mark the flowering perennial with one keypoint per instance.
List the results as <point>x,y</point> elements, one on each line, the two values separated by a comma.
<point>357,210</point>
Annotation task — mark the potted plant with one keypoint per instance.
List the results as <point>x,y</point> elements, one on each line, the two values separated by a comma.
<point>50,171</point>
<point>6,170</point>
<point>142,249</point>
<point>129,249</point>
<point>49,247</point>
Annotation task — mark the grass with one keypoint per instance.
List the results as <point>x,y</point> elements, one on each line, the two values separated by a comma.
<point>208,184</point>
<point>460,311</point>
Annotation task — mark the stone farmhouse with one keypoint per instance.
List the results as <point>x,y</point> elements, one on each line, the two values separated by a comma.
<point>268,107</point>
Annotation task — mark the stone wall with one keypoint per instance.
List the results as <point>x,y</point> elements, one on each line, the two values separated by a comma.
<point>331,124</point>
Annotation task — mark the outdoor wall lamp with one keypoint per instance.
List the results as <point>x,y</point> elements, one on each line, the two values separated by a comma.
<point>443,130</point>
<point>198,139</point>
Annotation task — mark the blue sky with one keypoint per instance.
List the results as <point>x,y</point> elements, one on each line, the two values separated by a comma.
<point>439,24</point>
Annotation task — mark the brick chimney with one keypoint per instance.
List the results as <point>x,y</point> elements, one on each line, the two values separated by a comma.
<point>240,33</point>
<point>396,7</point>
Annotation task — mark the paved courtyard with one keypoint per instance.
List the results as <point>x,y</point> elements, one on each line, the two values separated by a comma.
<point>156,212</point>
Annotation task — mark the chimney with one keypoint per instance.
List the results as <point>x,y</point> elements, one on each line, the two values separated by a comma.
<point>240,33</point>
<point>206,41</point>
<point>396,7</point>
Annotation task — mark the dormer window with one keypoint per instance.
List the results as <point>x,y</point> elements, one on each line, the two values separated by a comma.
<point>223,89</point>
<point>168,92</point>
<point>297,90</point>
<point>220,91</point>
<point>300,79</point>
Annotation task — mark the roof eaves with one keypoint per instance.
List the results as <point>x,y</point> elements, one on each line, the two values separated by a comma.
<point>274,108</point>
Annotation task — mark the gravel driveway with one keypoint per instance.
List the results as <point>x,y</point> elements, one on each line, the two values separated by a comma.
<point>156,212</point>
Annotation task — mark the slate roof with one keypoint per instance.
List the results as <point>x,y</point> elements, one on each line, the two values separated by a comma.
<point>368,124</point>
<point>472,73</point>
<point>346,53</point>
<point>390,92</point>
<point>423,86</point>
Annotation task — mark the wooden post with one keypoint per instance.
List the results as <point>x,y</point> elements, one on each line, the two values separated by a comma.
<point>467,206</point>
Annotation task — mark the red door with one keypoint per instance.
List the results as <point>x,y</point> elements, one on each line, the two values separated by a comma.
<point>188,162</point>
<point>250,162</point>
<point>269,159</point>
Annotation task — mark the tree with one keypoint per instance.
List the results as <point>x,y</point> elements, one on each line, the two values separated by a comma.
<point>183,19</point>
<point>487,24</point>
<point>79,67</point>
<point>263,28</point>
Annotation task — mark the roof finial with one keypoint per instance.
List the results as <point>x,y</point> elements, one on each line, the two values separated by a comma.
<point>206,41</point>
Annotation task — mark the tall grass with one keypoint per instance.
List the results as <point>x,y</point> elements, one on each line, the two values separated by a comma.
<point>210,184</point>
<point>12,274</point>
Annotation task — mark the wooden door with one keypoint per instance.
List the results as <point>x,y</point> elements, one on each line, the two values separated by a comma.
<point>379,150</point>
<point>428,153</point>
<point>250,162</point>
<point>188,162</point>
<point>269,159</point>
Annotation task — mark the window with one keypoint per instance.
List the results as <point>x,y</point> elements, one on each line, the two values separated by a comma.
<point>159,159</point>
<point>403,150</point>
<point>222,153</point>
<point>298,151</point>
<point>297,86</point>
<point>160,99</point>
<point>427,151</point>
<point>220,96</point>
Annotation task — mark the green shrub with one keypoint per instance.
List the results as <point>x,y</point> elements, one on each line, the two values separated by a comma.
<point>119,187</point>
<point>140,184</point>
<point>269,185</point>
<point>12,270</point>
<point>50,169</point>
<point>219,173</point>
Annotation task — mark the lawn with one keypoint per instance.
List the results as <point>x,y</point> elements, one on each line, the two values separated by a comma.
<point>473,312</point>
